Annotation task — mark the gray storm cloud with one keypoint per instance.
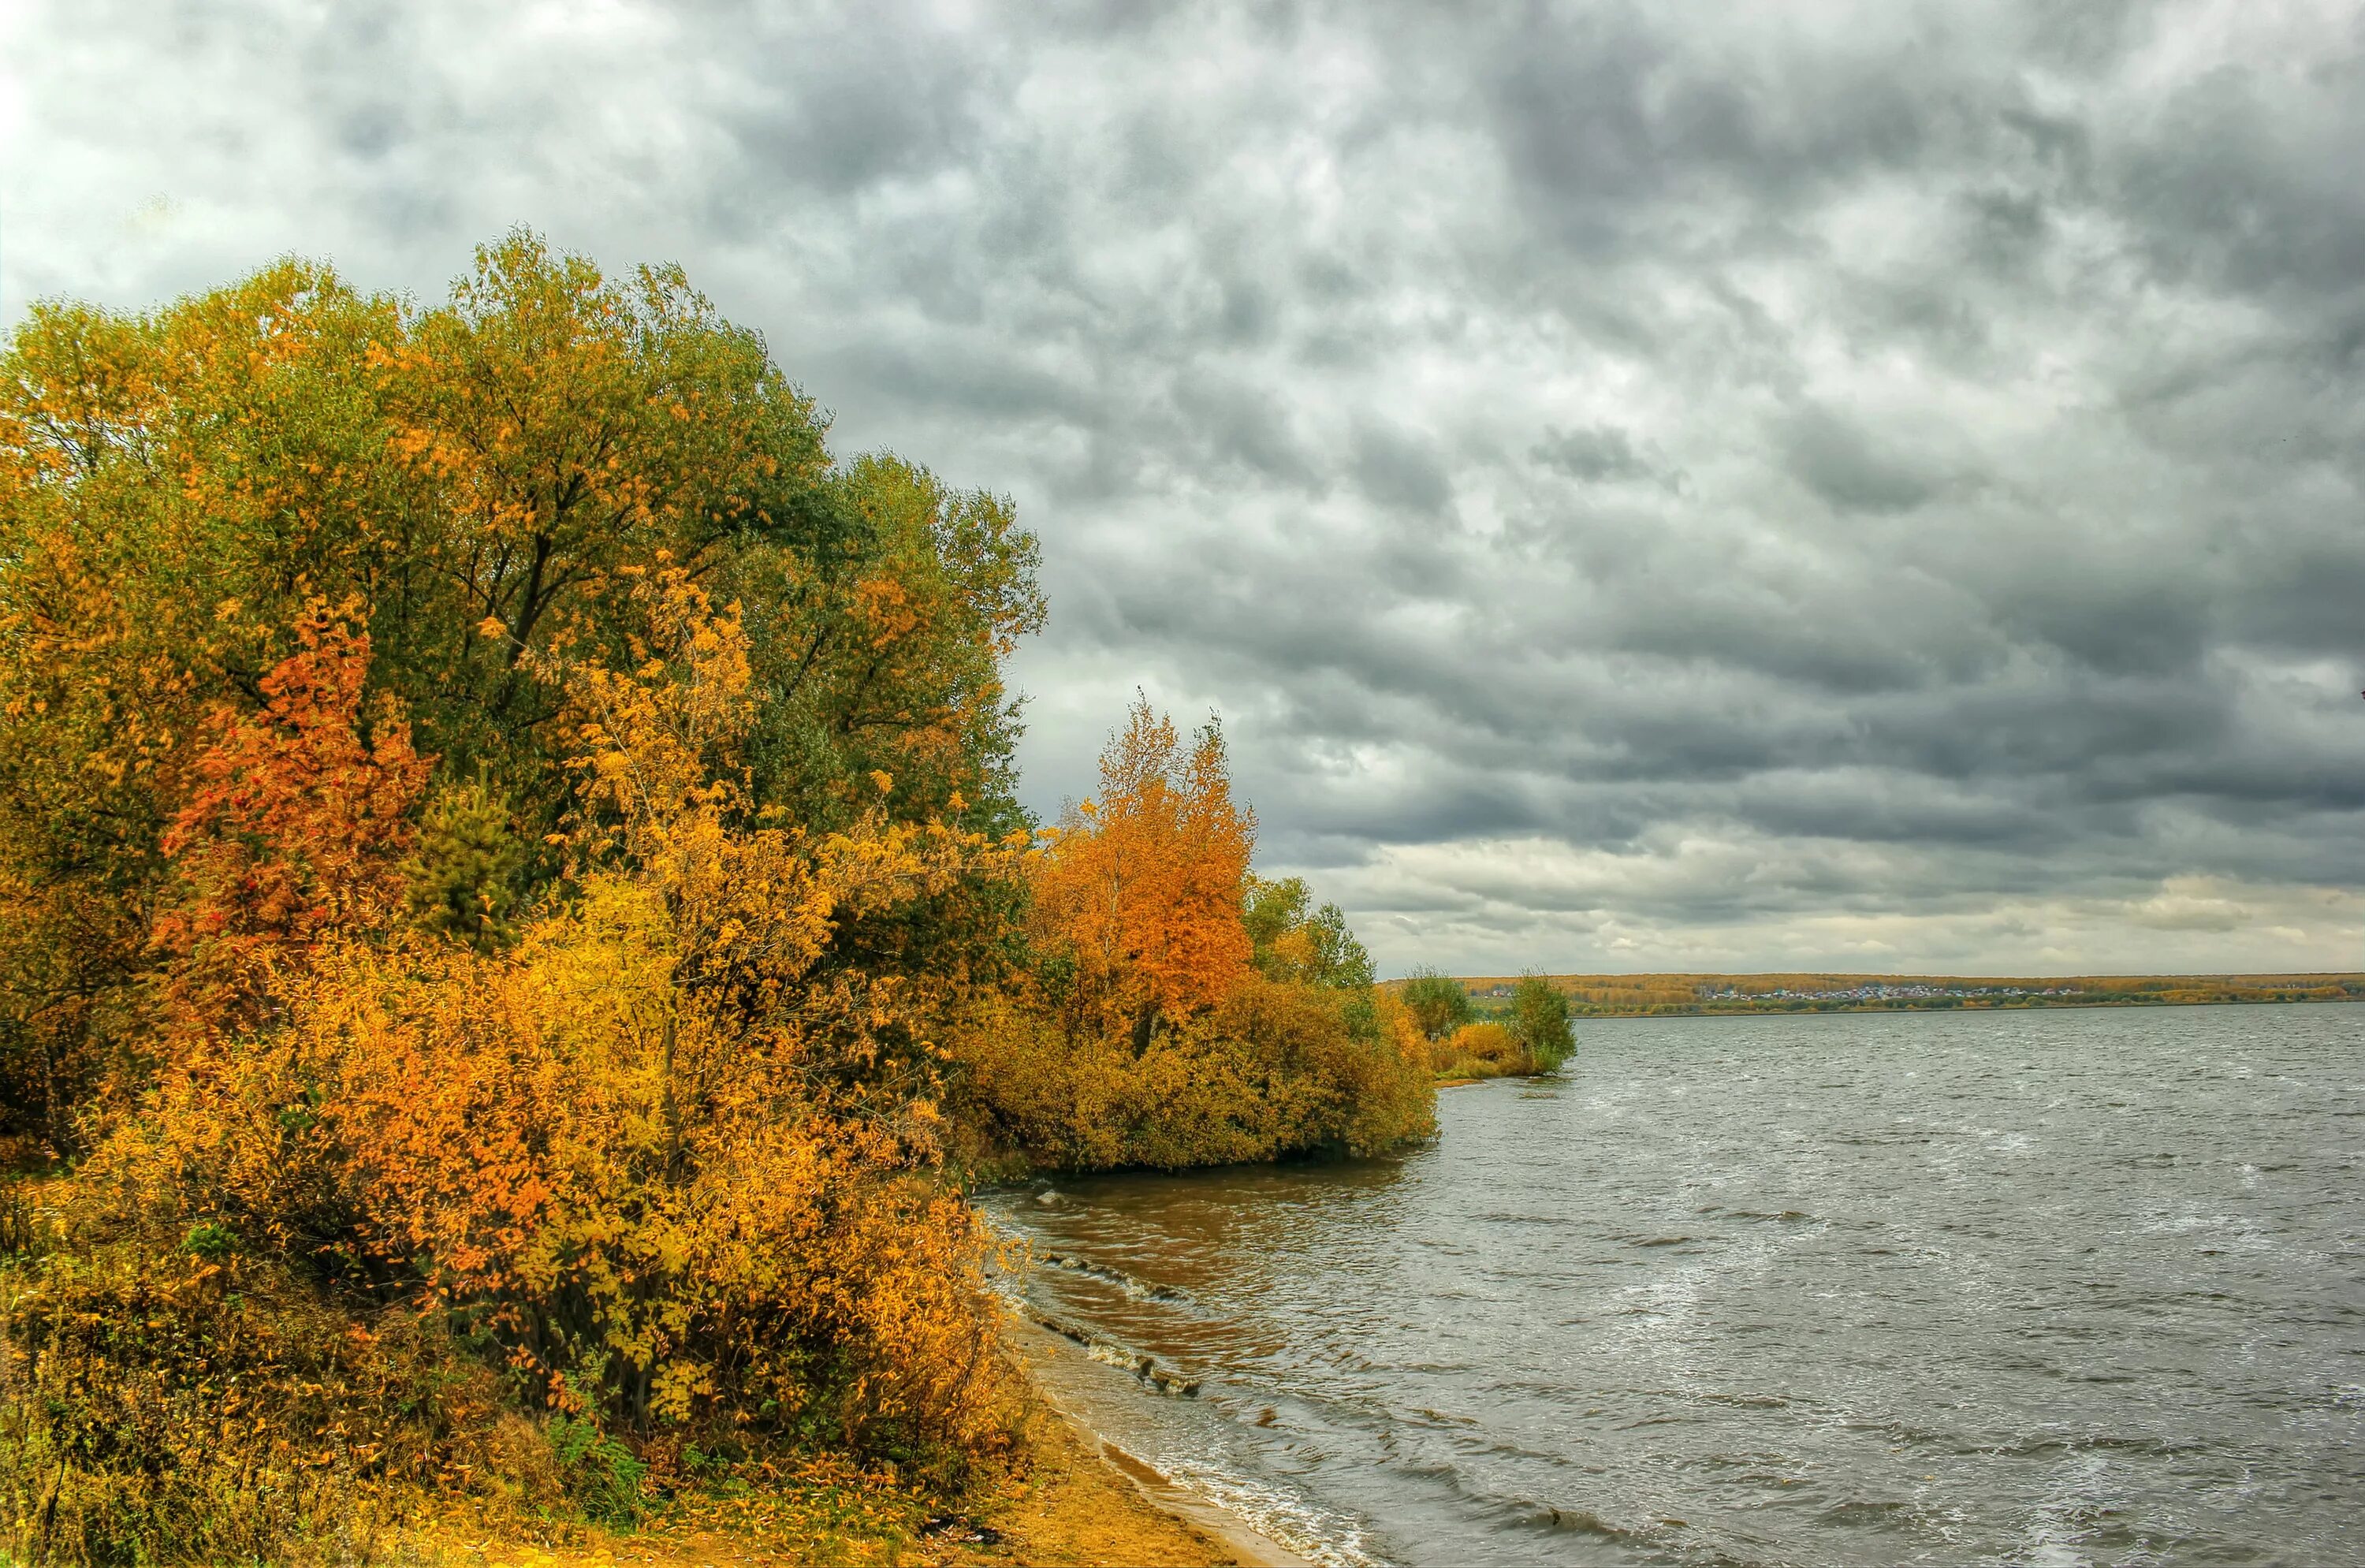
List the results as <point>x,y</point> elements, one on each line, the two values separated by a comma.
<point>1870,486</point>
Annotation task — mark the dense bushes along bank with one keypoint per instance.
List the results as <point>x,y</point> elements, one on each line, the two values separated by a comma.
<point>1528,1036</point>
<point>513,912</point>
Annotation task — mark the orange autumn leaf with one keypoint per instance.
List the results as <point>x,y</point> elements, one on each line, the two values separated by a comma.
<point>295,828</point>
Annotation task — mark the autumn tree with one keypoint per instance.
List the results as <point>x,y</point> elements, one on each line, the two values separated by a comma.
<point>502,832</point>
<point>1182,1010</point>
<point>1294,940</point>
<point>1142,886</point>
<point>177,486</point>
<point>1540,1021</point>
<point>1439,1001</point>
<point>97,714</point>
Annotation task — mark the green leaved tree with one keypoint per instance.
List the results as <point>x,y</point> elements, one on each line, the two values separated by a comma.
<point>1440,1003</point>
<point>1539,1021</point>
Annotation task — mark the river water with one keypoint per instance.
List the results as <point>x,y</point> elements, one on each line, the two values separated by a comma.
<point>2028,1287</point>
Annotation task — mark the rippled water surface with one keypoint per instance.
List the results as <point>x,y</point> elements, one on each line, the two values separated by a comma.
<point>2067,1287</point>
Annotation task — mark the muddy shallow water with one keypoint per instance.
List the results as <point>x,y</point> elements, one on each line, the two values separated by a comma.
<point>2043,1287</point>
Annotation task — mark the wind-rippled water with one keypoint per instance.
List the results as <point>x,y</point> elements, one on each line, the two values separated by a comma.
<point>2043,1287</point>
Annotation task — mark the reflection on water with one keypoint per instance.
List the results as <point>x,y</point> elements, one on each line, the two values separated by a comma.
<point>2008,1288</point>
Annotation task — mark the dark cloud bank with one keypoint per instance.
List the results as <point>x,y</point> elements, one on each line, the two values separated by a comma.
<point>1871,486</point>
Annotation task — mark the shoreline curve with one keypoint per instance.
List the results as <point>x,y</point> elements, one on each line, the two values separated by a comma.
<point>1030,1342</point>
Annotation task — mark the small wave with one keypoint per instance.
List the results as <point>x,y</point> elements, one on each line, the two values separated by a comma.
<point>1133,1285</point>
<point>1442,1419</point>
<point>1581,1522</point>
<point>1283,1515</point>
<point>1148,1368</point>
<point>1900,1435</point>
<point>1785,1216</point>
<point>2031,1448</point>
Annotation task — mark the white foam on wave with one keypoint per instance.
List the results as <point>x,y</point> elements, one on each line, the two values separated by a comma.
<point>1318,1535</point>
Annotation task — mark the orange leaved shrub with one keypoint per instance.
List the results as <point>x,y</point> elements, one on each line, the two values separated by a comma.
<point>643,1151</point>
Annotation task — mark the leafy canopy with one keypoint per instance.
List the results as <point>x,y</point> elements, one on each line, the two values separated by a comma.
<point>1439,1002</point>
<point>1539,1021</point>
<point>467,489</point>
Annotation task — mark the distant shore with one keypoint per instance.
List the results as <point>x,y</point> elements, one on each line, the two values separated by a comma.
<point>1674,995</point>
<point>1638,1016</point>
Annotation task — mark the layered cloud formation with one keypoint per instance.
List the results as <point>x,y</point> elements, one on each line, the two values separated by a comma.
<point>1871,486</point>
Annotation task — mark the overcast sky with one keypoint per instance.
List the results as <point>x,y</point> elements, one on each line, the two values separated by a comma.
<point>1872,486</point>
